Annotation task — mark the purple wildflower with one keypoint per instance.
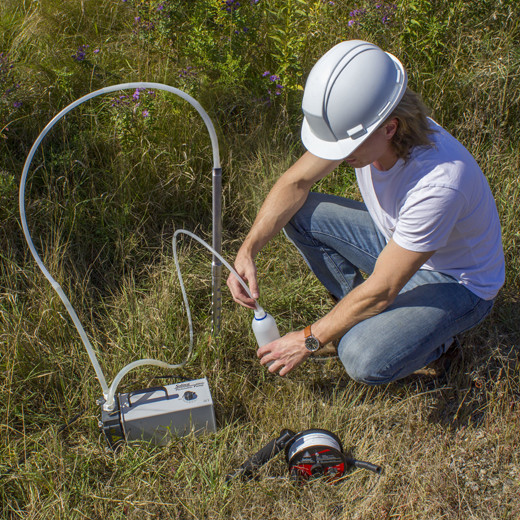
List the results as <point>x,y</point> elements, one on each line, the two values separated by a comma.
<point>137,94</point>
<point>230,5</point>
<point>188,72</point>
<point>274,77</point>
<point>355,16</point>
<point>266,73</point>
<point>17,104</point>
<point>357,13</point>
<point>145,113</point>
<point>386,12</point>
<point>80,53</point>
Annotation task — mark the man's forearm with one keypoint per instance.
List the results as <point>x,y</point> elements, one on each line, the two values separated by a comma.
<point>394,267</point>
<point>284,354</point>
<point>361,303</point>
<point>285,198</point>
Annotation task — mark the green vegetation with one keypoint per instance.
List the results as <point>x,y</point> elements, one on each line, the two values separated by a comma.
<point>120,173</point>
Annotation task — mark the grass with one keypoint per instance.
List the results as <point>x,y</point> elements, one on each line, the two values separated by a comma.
<point>106,192</point>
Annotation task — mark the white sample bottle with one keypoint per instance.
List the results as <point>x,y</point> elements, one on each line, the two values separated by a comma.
<point>264,327</point>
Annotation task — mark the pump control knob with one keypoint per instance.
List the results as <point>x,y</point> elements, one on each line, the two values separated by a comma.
<point>189,396</point>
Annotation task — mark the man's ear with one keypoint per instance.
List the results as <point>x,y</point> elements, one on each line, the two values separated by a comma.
<point>391,128</point>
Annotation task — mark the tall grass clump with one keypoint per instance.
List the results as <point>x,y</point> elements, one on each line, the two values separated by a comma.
<point>119,174</point>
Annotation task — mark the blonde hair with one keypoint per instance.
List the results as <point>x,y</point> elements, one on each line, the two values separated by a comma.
<point>413,128</point>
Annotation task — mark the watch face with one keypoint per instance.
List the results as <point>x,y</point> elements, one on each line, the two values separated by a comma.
<point>312,344</point>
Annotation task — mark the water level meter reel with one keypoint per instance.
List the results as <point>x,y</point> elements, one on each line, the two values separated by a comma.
<point>313,453</point>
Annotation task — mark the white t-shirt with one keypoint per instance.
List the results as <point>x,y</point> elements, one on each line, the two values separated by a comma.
<point>439,200</point>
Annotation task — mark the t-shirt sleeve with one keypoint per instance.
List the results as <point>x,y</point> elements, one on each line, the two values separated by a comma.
<point>427,218</point>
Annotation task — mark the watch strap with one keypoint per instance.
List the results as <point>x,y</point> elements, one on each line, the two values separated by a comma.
<point>307,331</point>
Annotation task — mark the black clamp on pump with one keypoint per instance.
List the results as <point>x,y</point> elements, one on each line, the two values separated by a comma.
<point>111,427</point>
<point>309,454</point>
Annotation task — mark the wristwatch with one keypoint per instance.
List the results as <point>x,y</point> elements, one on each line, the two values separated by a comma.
<point>312,344</point>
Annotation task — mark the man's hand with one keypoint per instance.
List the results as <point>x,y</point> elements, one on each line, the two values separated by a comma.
<point>246,268</point>
<point>285,353</point>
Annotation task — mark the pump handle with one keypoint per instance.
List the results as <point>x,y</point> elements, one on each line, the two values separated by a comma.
<point>147,391</point>
<point>253,463</point>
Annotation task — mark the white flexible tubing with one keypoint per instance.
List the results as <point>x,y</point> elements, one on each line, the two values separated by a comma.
<point>28,161</point>
<point>110,399</point>
<point>207,246</point>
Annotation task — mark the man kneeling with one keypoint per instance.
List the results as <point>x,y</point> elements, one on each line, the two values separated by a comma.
<point>427,235</point>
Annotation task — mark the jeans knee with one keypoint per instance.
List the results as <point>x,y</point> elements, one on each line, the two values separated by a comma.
<point>296,227</point>
<point>290,231</point>
<point>366,369</point>
<point>366,376</point>
<point>300,223</point>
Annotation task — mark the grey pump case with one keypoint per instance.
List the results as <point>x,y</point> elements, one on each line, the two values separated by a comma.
<point>161,413</point>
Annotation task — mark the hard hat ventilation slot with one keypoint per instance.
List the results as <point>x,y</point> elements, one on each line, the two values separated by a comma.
<point>356,132</point>
<point>384,109</point>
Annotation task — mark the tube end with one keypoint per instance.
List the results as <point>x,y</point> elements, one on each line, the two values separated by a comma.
<point>259,313</point>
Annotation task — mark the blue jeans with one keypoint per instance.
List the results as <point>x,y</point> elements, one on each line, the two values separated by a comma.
<point>338,239</point>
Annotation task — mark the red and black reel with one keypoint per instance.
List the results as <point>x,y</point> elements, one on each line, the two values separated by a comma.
<point>315,453</point>
<point>310,454</point>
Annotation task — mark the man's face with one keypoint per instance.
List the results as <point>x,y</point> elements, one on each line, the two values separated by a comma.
<point>376,149</point>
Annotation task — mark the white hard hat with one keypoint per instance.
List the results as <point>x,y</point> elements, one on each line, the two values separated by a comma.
<point>350,91</point>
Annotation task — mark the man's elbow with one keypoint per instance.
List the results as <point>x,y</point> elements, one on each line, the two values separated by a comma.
<point>383,302</point>
<point>382,298</point>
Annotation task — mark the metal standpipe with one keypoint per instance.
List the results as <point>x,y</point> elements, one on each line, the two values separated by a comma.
<point>216,233</point>
<point>216,266</point>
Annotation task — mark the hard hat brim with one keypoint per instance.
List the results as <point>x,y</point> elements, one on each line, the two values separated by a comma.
<point>332,150</point>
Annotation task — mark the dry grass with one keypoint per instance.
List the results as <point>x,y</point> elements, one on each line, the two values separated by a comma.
<point>449,448</point>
